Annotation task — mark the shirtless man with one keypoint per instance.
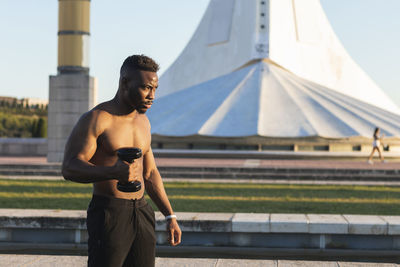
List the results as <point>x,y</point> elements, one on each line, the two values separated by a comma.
<point>121,225</point>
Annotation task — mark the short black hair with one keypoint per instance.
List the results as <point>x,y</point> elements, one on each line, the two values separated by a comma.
<point>139,62</point>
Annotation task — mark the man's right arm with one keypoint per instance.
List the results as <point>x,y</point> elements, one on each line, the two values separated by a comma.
<point>80,148</point>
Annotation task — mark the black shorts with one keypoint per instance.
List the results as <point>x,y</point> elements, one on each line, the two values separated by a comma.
<point>121,232</point>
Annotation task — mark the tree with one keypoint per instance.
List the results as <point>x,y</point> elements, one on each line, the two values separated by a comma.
<point>41,128</point>
<point>34,127</point>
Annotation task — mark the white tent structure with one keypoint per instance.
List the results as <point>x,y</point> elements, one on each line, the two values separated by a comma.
<point>268,73</point>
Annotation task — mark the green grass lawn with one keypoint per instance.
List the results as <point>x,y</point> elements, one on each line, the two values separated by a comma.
<point>217,197</point>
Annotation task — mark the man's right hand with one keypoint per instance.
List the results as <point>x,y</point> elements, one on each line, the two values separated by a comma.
<point>126,172</point>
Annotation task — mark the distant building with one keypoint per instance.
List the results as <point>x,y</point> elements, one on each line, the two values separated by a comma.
<point>8,99</point>
<point>25,101</point>
<point>269,75</point>
<point>35,101</point>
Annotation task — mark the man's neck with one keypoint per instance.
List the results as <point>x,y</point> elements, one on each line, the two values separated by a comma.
<point>122,108</point>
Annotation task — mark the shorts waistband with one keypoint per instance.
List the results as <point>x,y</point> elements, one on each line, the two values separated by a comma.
<point>106,201</point>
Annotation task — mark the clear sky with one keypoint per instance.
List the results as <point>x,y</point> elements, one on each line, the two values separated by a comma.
<point>368,29</point>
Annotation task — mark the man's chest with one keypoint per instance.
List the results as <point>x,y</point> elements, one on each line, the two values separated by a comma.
<point>125,135</point>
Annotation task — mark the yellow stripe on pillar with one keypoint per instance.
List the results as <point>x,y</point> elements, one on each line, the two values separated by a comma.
<point>74,15</point>
<point>73,35</point>
<point>73,50</point>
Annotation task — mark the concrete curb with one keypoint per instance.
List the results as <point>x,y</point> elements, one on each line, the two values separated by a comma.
<point>254,235</point>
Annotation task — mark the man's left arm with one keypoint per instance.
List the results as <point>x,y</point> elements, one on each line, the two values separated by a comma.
<point>155,188</point>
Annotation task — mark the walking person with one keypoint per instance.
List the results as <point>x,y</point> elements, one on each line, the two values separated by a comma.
<point>376,145</point>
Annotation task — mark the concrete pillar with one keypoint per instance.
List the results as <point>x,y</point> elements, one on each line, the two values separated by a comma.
<point>72,91</point>
<point>70,96</point>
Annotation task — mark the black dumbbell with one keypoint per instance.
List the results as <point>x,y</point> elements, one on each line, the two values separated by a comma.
<point>129,154</point>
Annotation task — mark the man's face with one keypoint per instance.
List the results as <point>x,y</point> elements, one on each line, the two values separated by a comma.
<point>140,90</point>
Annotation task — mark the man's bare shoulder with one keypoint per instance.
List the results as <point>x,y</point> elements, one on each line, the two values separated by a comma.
<point>97,118</point>
<point>144,122</point>
<point>145,119</point>
<point>102,110</point>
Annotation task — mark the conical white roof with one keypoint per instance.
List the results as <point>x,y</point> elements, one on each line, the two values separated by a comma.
<point>266,100</point>
<point>299,80</point>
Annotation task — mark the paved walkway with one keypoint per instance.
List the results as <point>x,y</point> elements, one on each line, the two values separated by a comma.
<point>339,164</point>
<point>264,163</point>
<point>11,260</point>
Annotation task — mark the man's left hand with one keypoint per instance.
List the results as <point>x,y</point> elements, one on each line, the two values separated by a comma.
<point>174,232</point>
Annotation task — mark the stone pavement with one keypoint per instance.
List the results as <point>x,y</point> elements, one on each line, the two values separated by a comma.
<point>288,163</point>
<point>212,162</point>
<point>12,260</point>
<point>348,167</point>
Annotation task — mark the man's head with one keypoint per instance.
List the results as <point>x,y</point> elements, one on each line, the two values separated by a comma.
<point>139,62</point>
<point>138,82</point>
